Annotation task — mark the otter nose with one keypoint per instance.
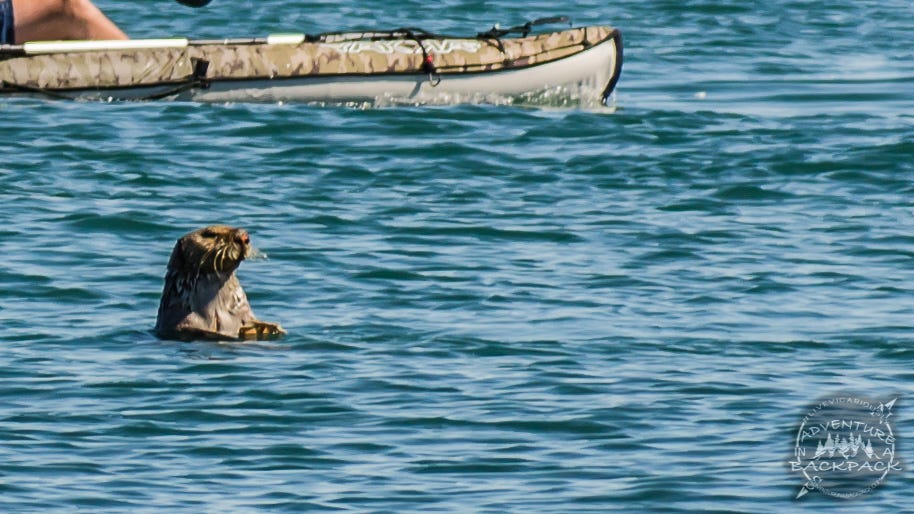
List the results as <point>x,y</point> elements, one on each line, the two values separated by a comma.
<point>242,237</point>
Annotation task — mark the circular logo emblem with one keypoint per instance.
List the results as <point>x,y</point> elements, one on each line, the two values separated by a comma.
<point>845,446</point>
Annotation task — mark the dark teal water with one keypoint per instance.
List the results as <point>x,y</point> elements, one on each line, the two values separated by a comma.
<point>490,309</point>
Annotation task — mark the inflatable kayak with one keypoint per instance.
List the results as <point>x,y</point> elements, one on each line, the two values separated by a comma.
<point>404,65</point>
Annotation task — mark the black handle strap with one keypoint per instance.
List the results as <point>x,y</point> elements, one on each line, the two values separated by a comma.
<point>525,29</point>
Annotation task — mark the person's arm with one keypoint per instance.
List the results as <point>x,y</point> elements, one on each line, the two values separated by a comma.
<point>61,19</point>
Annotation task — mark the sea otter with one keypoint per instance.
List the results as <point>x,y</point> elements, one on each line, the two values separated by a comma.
<point>202,298</point>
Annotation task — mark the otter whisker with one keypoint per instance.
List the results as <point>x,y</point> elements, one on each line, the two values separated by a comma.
<point>206,258</point>
<point>222,252</point>
<point>215,258</point>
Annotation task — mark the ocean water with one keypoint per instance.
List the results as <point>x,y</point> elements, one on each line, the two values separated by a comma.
<point>491,309</point>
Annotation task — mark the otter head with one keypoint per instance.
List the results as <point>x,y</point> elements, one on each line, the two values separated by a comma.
<point>214,249</point>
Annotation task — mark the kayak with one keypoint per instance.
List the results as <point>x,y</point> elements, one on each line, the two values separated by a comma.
<point>404,65</point>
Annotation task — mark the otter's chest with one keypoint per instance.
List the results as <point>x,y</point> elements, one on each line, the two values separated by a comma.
<point>223,303</point>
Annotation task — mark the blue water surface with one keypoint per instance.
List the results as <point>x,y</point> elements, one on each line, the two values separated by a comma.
<point>491,309</point>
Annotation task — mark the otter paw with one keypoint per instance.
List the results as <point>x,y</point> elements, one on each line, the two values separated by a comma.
<point>260,330</point>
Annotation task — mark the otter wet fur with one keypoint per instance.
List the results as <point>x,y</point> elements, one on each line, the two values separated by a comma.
<point>202,298</point>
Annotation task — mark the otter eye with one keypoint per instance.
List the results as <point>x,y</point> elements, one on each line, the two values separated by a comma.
<point>208,233</point>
